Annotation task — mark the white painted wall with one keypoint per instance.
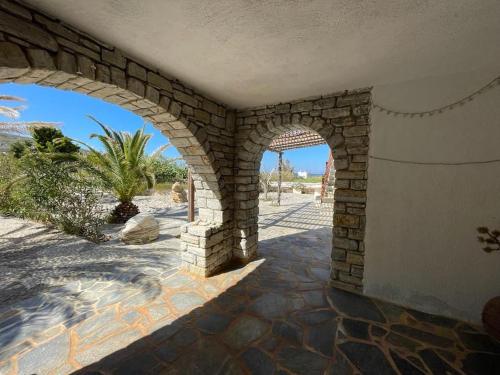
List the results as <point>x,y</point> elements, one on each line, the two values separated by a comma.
<point>421,220</point>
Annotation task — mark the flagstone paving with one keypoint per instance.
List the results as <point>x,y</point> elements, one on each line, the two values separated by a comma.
<point>276,315</point>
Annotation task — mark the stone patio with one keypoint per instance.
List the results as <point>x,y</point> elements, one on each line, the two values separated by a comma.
<point>134,312</point>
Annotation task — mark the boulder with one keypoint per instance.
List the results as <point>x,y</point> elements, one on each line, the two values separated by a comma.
<point>140,229</point>
<point>178,194</point>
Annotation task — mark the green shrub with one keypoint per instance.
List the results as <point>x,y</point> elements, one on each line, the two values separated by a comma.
<point>60,193</point>
<point>8,170</point>
<point>167,170</point>
<point>18,148</point>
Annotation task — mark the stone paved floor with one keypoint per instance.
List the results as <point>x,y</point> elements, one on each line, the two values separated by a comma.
<point>276,315</point>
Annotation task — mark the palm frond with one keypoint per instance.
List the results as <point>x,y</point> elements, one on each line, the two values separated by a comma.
<point>10,112</point>
<point>11,98</point>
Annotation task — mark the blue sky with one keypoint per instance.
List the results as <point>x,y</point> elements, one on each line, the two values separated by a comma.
<point>71,110</point>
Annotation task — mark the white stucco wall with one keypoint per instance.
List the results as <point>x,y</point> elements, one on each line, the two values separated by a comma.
<point>421,220</point>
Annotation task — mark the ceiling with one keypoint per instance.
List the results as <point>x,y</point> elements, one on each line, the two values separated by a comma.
<point>252,52</point>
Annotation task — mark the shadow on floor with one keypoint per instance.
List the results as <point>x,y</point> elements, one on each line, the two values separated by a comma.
<point>278,315</point>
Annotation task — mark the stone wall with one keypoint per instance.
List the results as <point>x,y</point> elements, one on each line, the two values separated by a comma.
<point>35,48</point>
<point>342,119</point>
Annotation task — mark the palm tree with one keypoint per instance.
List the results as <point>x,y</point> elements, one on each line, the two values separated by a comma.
<point>124,167</point>
<point>13,113</point>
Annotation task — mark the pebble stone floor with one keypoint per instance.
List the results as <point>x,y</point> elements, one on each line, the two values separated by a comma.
<point>276,315</point>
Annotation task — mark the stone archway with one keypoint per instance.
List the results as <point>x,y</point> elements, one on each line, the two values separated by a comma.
<point>342,120</point>
<point>37,49</point>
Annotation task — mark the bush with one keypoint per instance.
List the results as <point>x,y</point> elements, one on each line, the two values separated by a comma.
<point>8,169</point>
<point>18,148</point>
<point>167,170</point>
<point>55,192</point>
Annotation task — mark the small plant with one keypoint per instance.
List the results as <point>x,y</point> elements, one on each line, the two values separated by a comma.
<point>489,237</point>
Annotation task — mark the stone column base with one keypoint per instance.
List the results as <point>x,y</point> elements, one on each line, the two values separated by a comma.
<point>205,247</point>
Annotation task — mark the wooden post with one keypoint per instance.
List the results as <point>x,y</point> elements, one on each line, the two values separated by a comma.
<point>190,197</point>
<point>280,167</point>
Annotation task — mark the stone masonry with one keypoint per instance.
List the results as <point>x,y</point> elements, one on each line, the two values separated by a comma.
<point>342,120</point>
<point>223,147</point>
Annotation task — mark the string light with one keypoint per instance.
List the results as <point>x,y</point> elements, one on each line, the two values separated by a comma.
<point>459,103</point>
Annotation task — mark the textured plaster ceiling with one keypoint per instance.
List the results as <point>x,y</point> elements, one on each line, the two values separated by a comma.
<point>251,52</point>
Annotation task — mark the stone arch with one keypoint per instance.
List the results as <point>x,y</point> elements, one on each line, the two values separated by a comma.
<point>342,119</point>
<point>38,49</point>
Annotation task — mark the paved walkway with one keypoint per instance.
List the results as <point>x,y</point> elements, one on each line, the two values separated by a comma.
<point>277,315</point>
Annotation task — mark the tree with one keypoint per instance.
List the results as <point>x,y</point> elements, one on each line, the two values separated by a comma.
<point>265,181</point>
<point>124,167</point>
<point>287,171</point>
<point>48,139</point>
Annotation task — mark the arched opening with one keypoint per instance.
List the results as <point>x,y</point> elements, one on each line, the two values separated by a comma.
<point>341,120</point>
<point>296,218</point>
<point>199,128</point>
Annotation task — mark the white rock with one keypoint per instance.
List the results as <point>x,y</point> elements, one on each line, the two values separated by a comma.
<point>140,229</point>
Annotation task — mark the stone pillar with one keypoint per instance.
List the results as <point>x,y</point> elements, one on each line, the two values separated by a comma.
<point>206,243</point>
<point>280,167</point>
<point>246,200</point>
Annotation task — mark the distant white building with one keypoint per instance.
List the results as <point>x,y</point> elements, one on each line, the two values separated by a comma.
<point>302,174</point>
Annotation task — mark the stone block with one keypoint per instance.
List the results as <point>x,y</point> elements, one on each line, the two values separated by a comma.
<point>202,116</point>
<point>66,62</point>
<point>301,107</point>
<point>40,59</point>
<point>27,31</point>
<point>189,238</point>
<point>199,230</point>
<point>16,9</point>
<point>354,258</point>
<point>13,62</point>
<point>334,113</point>
<point>345,243</point>
<point>324,103</point>
<point>340,163</point>
<point>79,49</point>
<point>358,184</point>
<point>136,86</point>
<point>86,67</point>
<point>348,195</point>
<point>137,71</point>
<point>339,255</point>
<point>282,108</point>
<point>347,221</point>
<point>353,99</point>
<point>114,57</point>
<point>185,98</point>
<point>159,81</point>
